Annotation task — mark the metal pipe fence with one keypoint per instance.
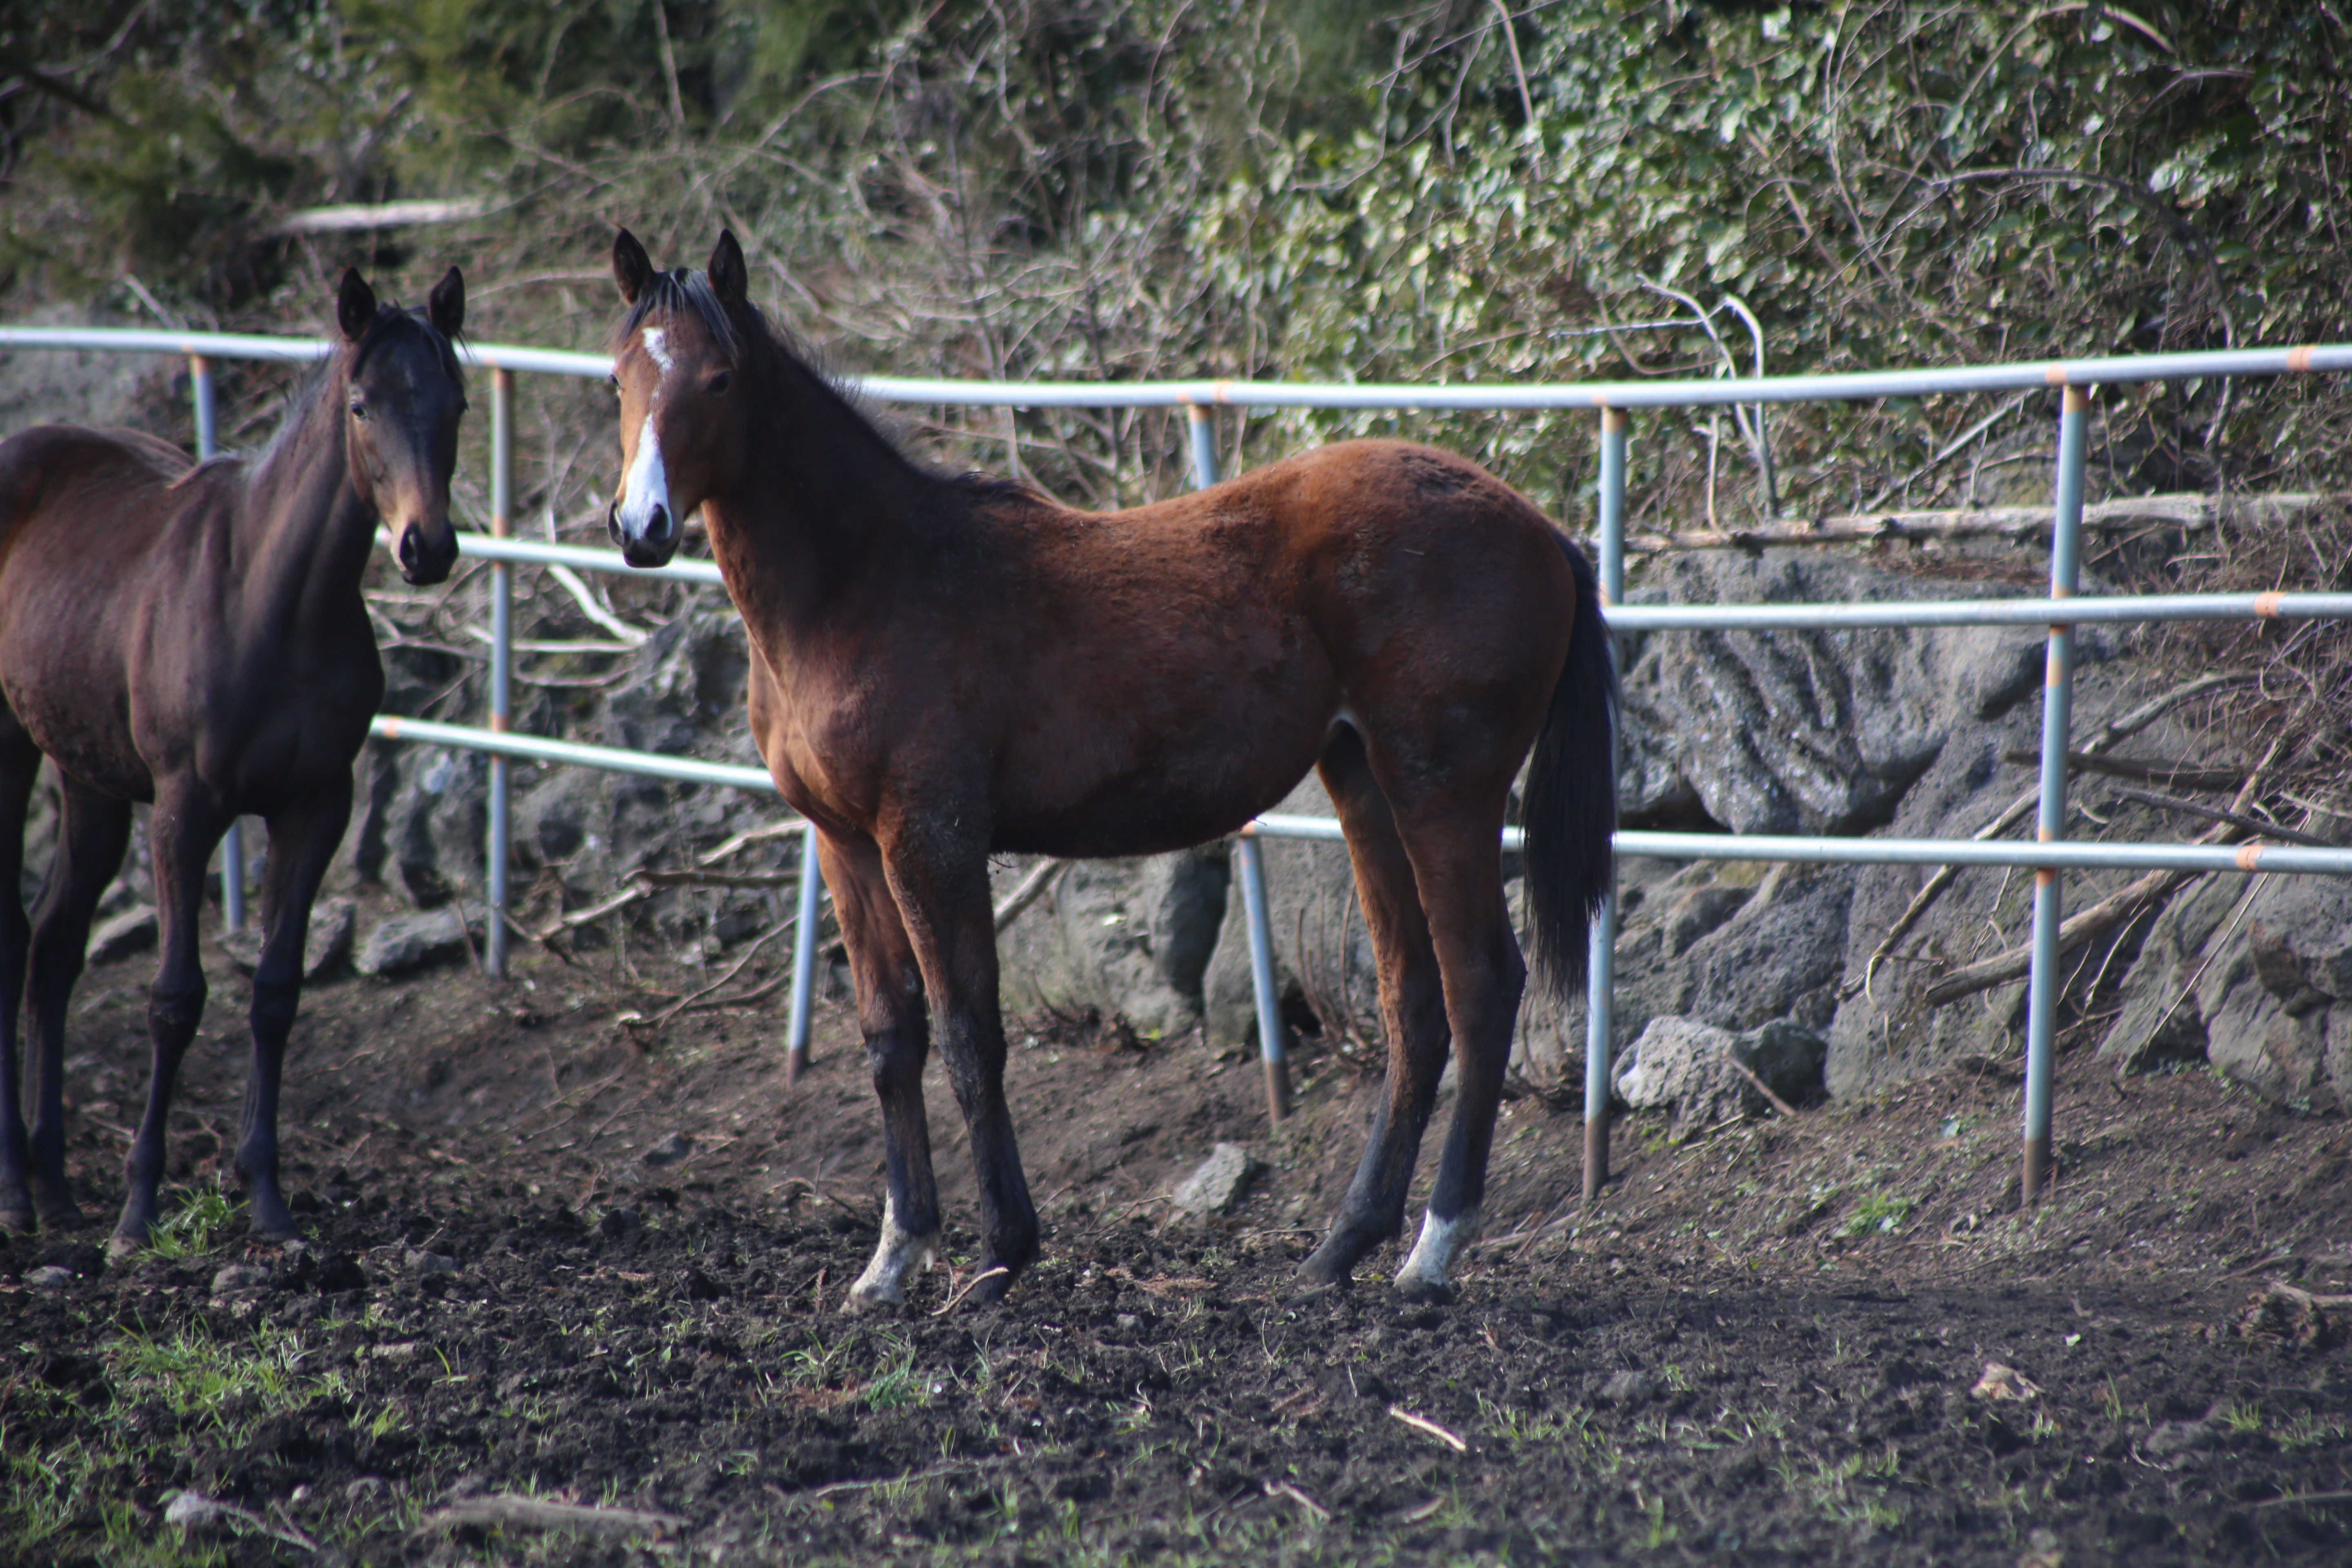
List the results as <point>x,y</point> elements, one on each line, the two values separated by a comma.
<point>2048,856</point>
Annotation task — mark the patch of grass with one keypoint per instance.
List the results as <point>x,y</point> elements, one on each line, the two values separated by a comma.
<point>191,1229</point>
<point>2241,1416</point>
<point>1879,1212</point>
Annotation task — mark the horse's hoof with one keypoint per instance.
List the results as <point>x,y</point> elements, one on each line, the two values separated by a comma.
<point>1314,1293</point>
<point>16,1219</point>
<point>1423,1292</point>
<point>864,1301</point>
<point>121,1248</point>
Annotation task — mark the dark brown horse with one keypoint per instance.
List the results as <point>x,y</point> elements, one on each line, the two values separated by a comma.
<point>952,667</point>
<point>191,635</point>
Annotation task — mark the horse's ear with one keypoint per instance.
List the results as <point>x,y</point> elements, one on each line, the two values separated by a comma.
<point>354,306</point>
<point>729,279</point>
<point>446,307</point>
<point>632,267</point>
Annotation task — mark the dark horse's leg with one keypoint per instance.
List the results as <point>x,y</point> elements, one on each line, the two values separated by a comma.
<point>891,1015</point>
<point>303,841</point>
<point>1412,1010</point>
<point>941,887</point>
<point>20,760</point>
<point>93,830</point>
<point>185,824</point>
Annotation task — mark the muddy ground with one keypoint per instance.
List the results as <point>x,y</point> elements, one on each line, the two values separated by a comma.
<point>1762,1348</point>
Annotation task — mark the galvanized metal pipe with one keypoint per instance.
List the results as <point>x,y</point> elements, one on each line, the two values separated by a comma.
<point>1600,954</point>
<point>2057,725</point>
<point>494,950</point>
<point>2016,376</point>
<point>1270,1042</point>
<point>539,749</point>
<point>1260,924</point>
<point>201,390</point>
<point>2108,609</point>
<point>796,1035</point>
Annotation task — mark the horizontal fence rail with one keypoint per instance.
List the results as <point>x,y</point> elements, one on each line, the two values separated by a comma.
<point>2047,857</point>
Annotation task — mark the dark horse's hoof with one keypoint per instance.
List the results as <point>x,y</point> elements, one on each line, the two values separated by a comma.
<point>1333,1262</point>
<point>17,1219</point>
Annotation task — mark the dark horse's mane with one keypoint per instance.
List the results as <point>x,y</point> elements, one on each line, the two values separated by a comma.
<point>685,290</point>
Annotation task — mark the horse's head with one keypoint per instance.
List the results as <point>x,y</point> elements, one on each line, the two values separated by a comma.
<point>403,396</point>
<point>674,364</point>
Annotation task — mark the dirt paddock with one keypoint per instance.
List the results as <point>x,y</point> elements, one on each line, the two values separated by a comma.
<point>556,1265</point>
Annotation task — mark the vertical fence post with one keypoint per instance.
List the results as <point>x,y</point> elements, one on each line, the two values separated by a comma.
<point>200,389</point>
<point>2057,716</point>
<point>494,948</point>
<point>1251,855</point>
<point>1601,958</point>
<point>1270,1039</point>
<point>796,1037</point>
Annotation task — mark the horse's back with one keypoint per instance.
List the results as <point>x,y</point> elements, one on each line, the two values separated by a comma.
<point>56,474</point>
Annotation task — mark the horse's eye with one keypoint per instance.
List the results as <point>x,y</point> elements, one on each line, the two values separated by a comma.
<point>718,383</point>
<point>359,410</point>
<point>613,382</point>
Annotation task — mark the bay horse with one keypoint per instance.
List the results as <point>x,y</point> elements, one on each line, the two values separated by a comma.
<point>191,635</point>
<point>949,669</point>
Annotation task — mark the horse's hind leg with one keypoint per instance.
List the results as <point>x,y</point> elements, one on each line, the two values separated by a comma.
<point>93,830</point>
<point>20,760</point>
<point>891,1015</point>
<point>185,825</point>
<point>1458,865</point>
<point>302,842</point>
<point>1412,1010</point>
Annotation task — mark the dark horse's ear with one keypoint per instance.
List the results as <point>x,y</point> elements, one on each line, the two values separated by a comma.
<point>727,279</point>
<point>354,306</point>
<point>632,267</point>
<point>446,307</point>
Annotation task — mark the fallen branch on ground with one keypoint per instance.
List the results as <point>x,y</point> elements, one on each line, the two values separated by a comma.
<point>531,1513</point>
<point>2254,824</point>
<point>2179,775</point>
<point>1032,886</point>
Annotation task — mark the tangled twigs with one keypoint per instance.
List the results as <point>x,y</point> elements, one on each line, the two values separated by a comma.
<point>2115,731</point>
<point>2100,918</point>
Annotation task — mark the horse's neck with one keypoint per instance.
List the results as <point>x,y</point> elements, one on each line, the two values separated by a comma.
<point>823,514</point>
<point>303,537</point>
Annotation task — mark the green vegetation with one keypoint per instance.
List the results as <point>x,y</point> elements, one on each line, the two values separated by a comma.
<point>1316,188</point>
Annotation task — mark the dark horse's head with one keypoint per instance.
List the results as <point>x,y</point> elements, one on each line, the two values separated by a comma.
<point>674,360</point>
<point>403,396</point>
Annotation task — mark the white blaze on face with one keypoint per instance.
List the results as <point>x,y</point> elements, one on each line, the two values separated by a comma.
<point>658,349</point>
<point>646,484</point>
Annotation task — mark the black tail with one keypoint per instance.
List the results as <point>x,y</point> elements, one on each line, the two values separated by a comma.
<point>1569,809</point>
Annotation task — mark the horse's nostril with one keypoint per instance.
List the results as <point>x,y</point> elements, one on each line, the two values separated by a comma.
<point>407,550</point>
<point>613,522</point>
<point>657,527</point>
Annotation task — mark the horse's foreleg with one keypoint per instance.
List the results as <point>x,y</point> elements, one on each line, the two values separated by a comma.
<point>1462,890</point>
<point>1413,1010</point>
<point>943,894</point>
<point>185,826</point>
<point>19,762</point>
<point>301,843</point>
<point>890,1014</point>
<point>92,833</point>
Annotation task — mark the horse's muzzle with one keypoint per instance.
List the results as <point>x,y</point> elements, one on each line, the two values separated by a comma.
<point>655,546</point>
<point>426,561</point>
